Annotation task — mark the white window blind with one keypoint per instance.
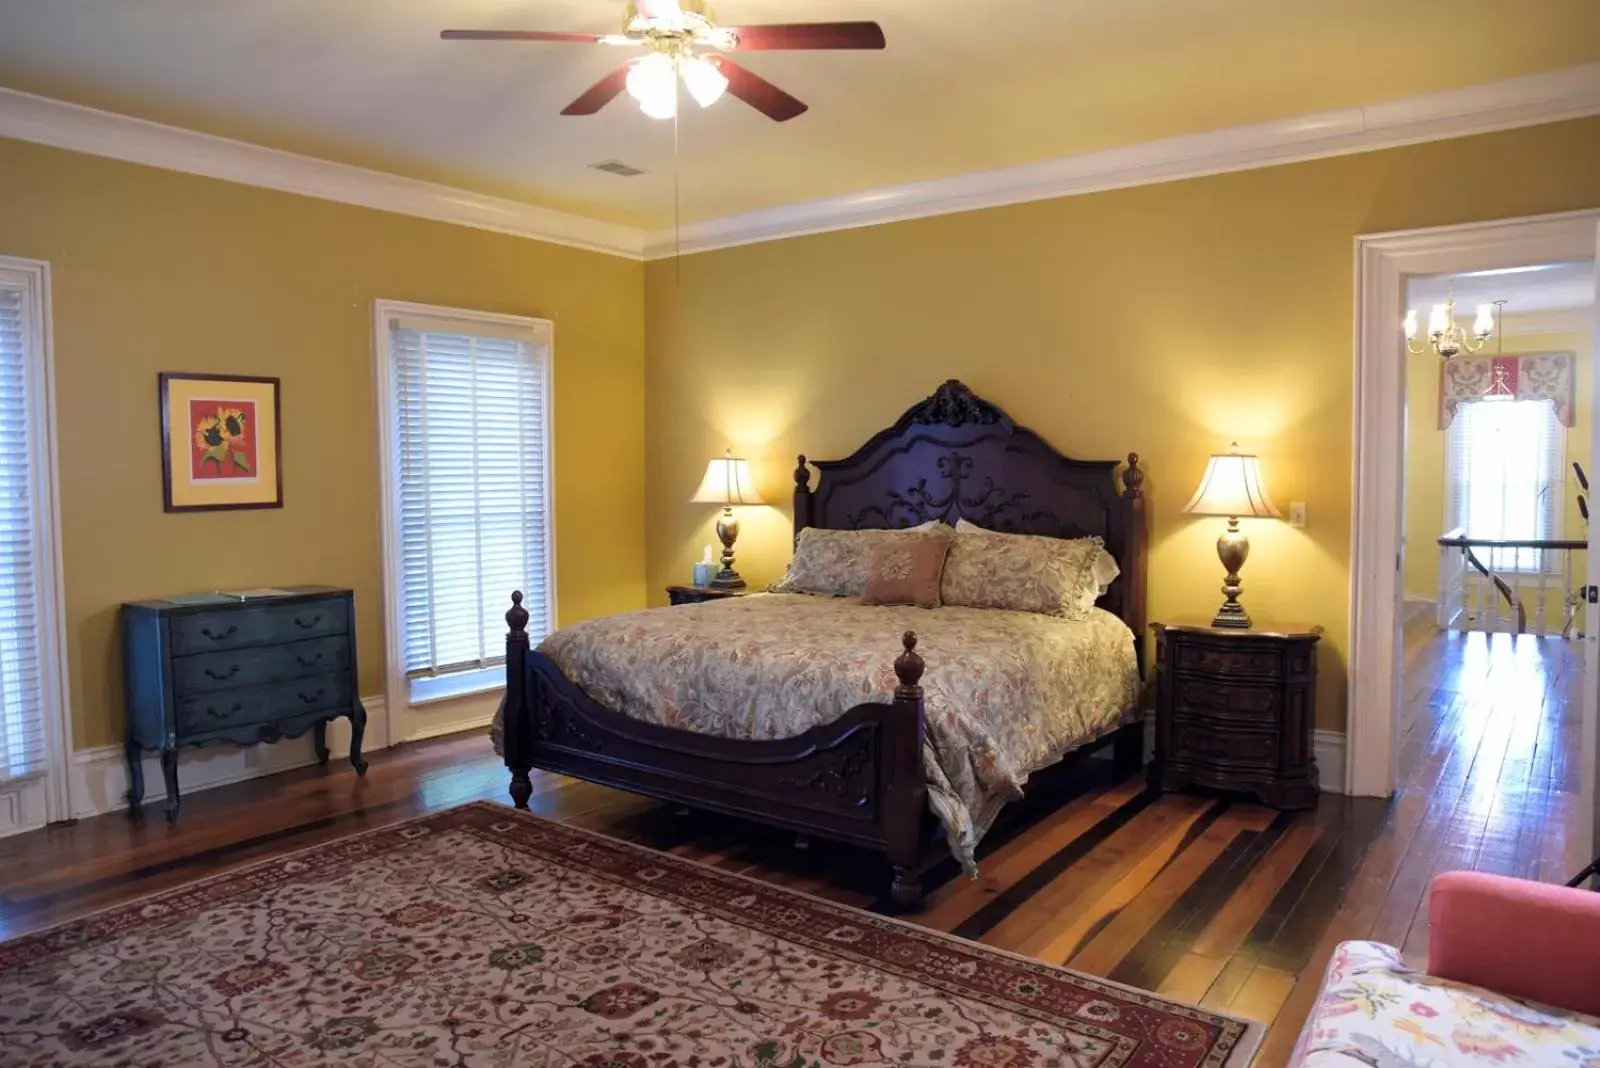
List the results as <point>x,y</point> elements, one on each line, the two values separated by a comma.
<point>1504,464</point>
<point>23,739</point>
<point>471,410</point>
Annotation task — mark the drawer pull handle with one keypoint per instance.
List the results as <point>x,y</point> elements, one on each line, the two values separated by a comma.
<point>303,662</point>
<point>232,630</point>
<point>303,625</point>
<point>211,710</point>
<point>314,698</point>
<point>230,673</point>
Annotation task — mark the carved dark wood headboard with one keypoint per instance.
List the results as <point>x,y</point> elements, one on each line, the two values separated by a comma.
<point>956,455</point>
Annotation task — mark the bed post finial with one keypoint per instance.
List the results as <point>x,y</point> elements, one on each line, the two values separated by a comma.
<point>908,667</point>
<point>1133,477</point>
<point>802,474</point>
<point>517,618</point>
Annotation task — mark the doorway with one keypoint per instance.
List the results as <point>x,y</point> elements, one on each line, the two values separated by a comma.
<point>1385,564</point>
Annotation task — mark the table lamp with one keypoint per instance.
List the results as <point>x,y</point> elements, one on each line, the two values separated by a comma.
<point>727,483</point>
<point>1232,487</point>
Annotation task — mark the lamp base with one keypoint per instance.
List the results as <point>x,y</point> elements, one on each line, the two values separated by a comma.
<point>1232,549</point>
<point>1232,615</point>
<point>727,579</point>
<point>727,533</point>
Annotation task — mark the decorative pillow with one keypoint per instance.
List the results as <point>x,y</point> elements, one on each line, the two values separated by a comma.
<point>907,570</point>
<point>1022,573</point>
<point>833,563</point>
<point>1106,568</point>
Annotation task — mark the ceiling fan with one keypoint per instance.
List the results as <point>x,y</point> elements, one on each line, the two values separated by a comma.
<point>684,42</point>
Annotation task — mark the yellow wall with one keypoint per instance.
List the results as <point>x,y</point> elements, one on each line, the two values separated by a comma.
<point>1425,454</point>
<point>1169,319</point>
<point>156,271</point>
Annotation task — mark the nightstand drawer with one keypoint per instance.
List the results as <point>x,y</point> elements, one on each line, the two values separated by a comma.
<point>1265,661</point>
<point>205,632</point>
<point>237,668</point>
<point>1195,740</point>
<point>232,708</point>
<point>1238,702</point>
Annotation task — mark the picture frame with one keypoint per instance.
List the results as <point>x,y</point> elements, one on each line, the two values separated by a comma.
<point>221,442</point>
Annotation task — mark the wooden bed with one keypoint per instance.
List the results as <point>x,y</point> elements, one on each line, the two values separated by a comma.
<point>858,778</point>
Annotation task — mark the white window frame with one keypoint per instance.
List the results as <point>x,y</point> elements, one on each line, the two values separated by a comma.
<point>29,803</point>
<point>471,704</point>
<point>1553,506</point>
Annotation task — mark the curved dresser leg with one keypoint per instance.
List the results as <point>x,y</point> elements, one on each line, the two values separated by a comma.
<point>358,733</point>
<point>319,741</point>
<point>169,772</point>
<point>135,795</point>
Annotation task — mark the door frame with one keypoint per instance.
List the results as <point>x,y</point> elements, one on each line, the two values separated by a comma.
<point>21,805</point>
<point>1382,264</point>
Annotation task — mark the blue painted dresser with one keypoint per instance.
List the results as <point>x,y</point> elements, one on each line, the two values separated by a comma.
<point>240,673</point>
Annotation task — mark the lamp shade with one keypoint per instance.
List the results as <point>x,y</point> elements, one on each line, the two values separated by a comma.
<point>1232,487</point>
<point>727,481</point>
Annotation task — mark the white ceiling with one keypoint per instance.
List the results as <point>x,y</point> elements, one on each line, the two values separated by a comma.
<point>1554,287</point>
<point>964,85</point>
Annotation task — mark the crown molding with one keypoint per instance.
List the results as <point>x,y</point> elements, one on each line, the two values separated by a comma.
<point>42,120</point>
<point>1553,321</point>
<point>1570,93</point>
<point>1573,92</point>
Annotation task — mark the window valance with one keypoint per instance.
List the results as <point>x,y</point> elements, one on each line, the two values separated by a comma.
<point>1536,376</point>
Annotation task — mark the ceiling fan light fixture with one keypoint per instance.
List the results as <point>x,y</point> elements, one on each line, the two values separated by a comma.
<point>653,82</point>
<point>705,82</point>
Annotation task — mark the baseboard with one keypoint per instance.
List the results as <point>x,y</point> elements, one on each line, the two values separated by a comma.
<point>1328,748</point>
<point>100,774</point>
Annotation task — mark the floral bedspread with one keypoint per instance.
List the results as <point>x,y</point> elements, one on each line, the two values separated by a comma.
<point>1007,693</point>
<point>1373,1010</point>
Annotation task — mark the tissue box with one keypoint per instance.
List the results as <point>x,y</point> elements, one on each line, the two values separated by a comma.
<point>704,573</point>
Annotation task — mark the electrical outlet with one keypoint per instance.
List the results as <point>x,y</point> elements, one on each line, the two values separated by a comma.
<point>1297,514</point>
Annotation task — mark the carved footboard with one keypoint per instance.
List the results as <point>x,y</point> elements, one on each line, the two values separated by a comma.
<point>857,779</point>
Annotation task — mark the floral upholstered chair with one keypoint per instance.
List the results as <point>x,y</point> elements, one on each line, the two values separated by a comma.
<point>1513,979</point>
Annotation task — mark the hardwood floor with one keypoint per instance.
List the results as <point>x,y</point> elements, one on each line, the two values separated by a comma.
<point>1199,897</point>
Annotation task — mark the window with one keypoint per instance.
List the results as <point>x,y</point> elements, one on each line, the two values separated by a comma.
<point>468,400</point>
<point>1505,461</point>
<point>29,678</point>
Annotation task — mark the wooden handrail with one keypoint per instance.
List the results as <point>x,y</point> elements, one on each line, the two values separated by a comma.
<point>1453,540</point>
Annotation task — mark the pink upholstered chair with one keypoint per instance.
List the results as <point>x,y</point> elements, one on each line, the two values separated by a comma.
<point>1513,978</point>
<point>1519,938</point>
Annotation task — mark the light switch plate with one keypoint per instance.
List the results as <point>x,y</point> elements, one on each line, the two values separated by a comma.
<point>1297,513</point>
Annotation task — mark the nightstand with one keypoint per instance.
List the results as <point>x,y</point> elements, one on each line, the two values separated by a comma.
<point>700,594</point>
<point>1235,710</point>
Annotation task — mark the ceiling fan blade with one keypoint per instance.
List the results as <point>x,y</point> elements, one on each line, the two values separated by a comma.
<point>519,35</point>
<point>600,93</point>
<point>807,35</point>
<point>759,93</point>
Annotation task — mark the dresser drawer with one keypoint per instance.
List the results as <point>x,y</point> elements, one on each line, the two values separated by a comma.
<point>1194,740</point>
<point>234,708</point>
<point>259,665</point>
<point>1265,661</point>
<point>267,624</point>
<point>1237,702</point>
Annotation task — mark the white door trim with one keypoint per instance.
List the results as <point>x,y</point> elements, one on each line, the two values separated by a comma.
<point>1382,263</point>
<point>45,486</point>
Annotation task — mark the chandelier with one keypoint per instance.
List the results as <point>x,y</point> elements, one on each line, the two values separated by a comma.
<point>1445,337</point>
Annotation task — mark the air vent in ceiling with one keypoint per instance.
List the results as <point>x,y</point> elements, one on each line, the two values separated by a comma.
<point>617,167</point>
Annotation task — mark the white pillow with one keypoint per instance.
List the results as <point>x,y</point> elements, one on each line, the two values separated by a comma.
<point>1105,565</point>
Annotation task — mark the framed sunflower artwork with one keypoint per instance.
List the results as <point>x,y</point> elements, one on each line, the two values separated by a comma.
<point>220,442</point>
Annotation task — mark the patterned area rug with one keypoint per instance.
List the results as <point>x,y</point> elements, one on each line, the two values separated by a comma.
<point>482,936</point>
